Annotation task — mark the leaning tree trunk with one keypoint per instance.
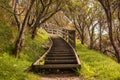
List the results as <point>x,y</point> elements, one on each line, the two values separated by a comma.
<point>107,8</point>
<point>115,46</point>
<point>34,30</point>
<point>112,40</point>
<point>80,33</point>
<point>19,42</point>
<point>20,39</point>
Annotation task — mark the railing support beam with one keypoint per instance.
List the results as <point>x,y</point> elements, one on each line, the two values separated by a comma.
<point>71,38</point>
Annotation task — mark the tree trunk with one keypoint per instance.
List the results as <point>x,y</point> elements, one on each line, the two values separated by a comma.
<point>82,37</point>
<point>108,12</point>
<point>20,39</point>
<point>19,43</point>
<point>34,32</point>
<point>115,46</point>
<point>100,38</point>
<point>113,42</point>
<point>79,33</point>
<point>91,42</point>
<point>91,38</point>
<point>119,11</point>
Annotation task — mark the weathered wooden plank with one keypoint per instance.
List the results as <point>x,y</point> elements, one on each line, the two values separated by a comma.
<point>60,55</point>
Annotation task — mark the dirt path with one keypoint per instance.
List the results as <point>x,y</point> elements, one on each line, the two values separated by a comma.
<point>60,77</point>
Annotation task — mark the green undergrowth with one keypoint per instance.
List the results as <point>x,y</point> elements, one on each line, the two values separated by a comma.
<point>96,66</point>
<point>33,49</point>
<point>7,37</point>
<point>12,68</point>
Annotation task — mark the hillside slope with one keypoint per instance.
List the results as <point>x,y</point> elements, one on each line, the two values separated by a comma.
<point>12,68</point>
<point>96,66</point>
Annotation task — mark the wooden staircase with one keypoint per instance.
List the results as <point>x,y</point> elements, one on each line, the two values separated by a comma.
<point>60,56</point>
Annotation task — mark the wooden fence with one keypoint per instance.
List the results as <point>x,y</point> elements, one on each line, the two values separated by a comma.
<point>68,35</point>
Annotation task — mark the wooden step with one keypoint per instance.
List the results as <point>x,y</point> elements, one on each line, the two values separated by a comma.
<point>57,66</point>
<point>61,47</point>
<point>60,58</point>
<point>60,61</point>
<point>59,55</point>
<point>61,52</point>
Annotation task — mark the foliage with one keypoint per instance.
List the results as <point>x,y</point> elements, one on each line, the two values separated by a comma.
<point>111,9</point>
<point>12,68</point>
<point>7,36</point>
<point>6,17</point>
<point>96,66</point>
<point>33,49</point>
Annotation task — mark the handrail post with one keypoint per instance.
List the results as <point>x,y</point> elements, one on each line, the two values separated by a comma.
<point>65,34</point>
<point>71,38</point>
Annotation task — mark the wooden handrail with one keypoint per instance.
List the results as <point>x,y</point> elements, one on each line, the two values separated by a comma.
<point>64,33</point>
<point>78,61</point>
<point>43,56</point>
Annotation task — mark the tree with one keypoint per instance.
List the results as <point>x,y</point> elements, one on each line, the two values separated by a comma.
<point>48,9</point>
<point>30,13</point>
<point>109,8</point>
<point>77,12</point>
<point>81,14</point>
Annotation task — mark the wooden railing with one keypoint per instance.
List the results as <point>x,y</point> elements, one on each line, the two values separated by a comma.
<point>67,35</point>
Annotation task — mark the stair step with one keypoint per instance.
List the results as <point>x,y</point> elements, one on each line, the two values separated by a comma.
<point>59,55</point>
<point>61,52</point>
<point>59,58</point>
<point>62,46</point>
<point>60,61</point>
<point>57,66</point>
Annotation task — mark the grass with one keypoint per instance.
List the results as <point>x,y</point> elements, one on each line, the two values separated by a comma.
<point>12,68</point>
<point>96,66</point>
<point>33,49</point>
<point>7,37</point>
